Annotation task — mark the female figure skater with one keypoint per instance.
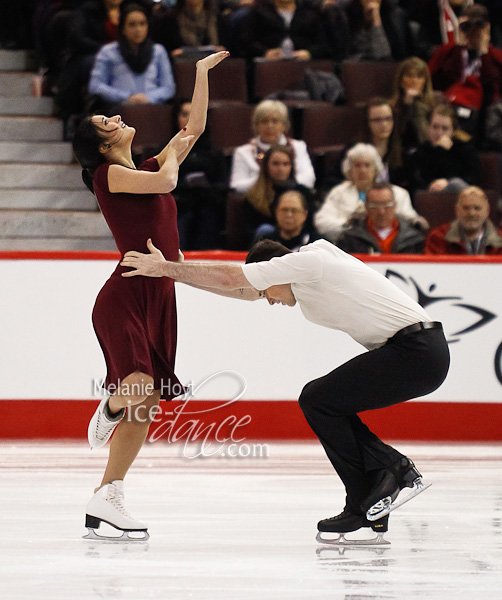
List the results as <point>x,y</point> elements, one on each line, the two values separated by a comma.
<point>135,325</point>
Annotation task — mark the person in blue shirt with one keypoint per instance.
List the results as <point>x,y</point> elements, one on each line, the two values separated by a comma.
<point>132,70</point>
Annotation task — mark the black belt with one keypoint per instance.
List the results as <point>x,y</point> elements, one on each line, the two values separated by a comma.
<point>417,327</point>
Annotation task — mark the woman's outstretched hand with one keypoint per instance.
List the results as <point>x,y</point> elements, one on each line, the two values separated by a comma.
<point>212,60</point>
<point>149,265</point>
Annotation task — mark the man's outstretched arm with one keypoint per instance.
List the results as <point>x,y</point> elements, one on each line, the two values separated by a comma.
<point>227,280</point>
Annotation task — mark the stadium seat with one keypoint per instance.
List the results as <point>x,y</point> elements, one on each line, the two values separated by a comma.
<point>274,75</point>
<point>229,125</point>
<point>153,124</point>
<point>363,80</point>
<point>439,207</point>
<point>227,82</point>
<point>327,127</point>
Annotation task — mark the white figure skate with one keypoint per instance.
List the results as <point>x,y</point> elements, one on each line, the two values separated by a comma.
<point>101,426</point>
<point>107,506</point>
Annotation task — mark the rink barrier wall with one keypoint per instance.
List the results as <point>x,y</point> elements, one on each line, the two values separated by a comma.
<point>271,420</point>
<point>467,411</point>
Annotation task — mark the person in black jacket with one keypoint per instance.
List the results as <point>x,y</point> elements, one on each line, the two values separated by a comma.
<point>94,24</point>
<point>201,189</point>
<point>446,162</point>
<point>379,30</point>
<point>277,29</point>
<point>380,231</point>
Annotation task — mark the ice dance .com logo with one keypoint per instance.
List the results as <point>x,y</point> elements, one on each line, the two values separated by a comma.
<point>204,432</point>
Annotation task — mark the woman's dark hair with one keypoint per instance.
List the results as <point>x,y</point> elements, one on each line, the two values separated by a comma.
<point>126,8</point>
<point>288,186</point>
<point>265,250</point>
<point>179,7</point>
<point>139,58</point>
<point>394,156</point>
<point>284,149</point>
<point>86,143</point>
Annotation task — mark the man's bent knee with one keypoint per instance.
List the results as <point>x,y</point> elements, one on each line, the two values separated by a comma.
<point>307,397</point>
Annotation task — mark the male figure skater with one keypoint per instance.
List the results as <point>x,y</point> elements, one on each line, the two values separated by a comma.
<point>407,357</point>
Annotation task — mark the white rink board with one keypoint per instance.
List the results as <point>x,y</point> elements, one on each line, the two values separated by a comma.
<point>48,349</point>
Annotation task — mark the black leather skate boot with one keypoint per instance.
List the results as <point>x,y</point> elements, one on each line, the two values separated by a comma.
<point>347,522</point>
<point>388,483</point>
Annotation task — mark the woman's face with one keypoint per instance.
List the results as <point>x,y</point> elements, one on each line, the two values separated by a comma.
<point>411,80</point>
<point>184,114</point>
<point>362,173</point>
<point>439,126</point>
<point>279,166</point>
<point>270,128</point>
<point>381,122</point>
<point>113,130</point>
<point>135,28</point>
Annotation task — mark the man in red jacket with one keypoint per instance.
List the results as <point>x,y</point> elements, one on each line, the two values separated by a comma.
<point>471,232</point>
<point>469,72</point>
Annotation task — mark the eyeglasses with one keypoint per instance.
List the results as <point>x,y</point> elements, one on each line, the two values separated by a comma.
<point>294,211</point>
<point>371,205</point>
<point>382,120</point>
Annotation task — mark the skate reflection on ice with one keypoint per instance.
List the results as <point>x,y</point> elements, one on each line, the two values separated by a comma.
<point>327,553</point>
<point>113,550</point>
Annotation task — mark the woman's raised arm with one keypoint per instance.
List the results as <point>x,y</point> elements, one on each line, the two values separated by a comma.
<point>198,114</point>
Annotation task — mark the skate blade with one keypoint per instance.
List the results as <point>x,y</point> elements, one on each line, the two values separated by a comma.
<point>342,541</point>
<point>385,506</point>
<point>127,536</point>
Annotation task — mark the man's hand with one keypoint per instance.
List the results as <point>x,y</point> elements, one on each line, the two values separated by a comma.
<point>438,185</point>
<point>372,13</point>
<point>149,265</point>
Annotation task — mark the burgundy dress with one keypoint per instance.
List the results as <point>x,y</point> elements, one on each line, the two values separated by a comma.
<point>135,318</point>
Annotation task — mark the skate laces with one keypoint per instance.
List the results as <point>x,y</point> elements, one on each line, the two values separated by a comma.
<point>103,426</point>
<point>116,498</point>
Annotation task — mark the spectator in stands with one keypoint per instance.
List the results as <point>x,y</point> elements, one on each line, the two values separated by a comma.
<point>380,230</point>
<point>379,30</point>
<point>446,162</point>
<point>290,209</point>
<point>133,70</point>
<point>15,30</point>
<point>472,232</point>
<point>51,25</point>
<point>201,190</point>
<point>381,133</point>
<point>437,21</point>
<point>469,71</point>
<point>362,168</point>
<point>413,101</point>
<point>277,29</point>
<point>270,123</point>
<point>336,22</point>
<point>276,168</point>
<point>189,28</point>
<point>94,24</point>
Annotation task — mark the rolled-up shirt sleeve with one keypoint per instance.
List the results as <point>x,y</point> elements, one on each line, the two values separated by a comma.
<point>297,267</point>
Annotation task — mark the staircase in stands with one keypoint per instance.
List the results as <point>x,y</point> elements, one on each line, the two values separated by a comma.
<point>43,203</point>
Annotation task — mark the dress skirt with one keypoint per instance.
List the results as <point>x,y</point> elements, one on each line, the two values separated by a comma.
<point>135,323</point>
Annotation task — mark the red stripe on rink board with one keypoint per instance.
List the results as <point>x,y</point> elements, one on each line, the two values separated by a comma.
<point>279,420</point>
<point>238,256</point>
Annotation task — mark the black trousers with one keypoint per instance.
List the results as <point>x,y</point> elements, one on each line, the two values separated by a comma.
<point>408,367</point>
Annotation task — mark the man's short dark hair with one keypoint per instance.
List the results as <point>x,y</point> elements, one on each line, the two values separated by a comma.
<point>382,185</point>
<point>265,250</point>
